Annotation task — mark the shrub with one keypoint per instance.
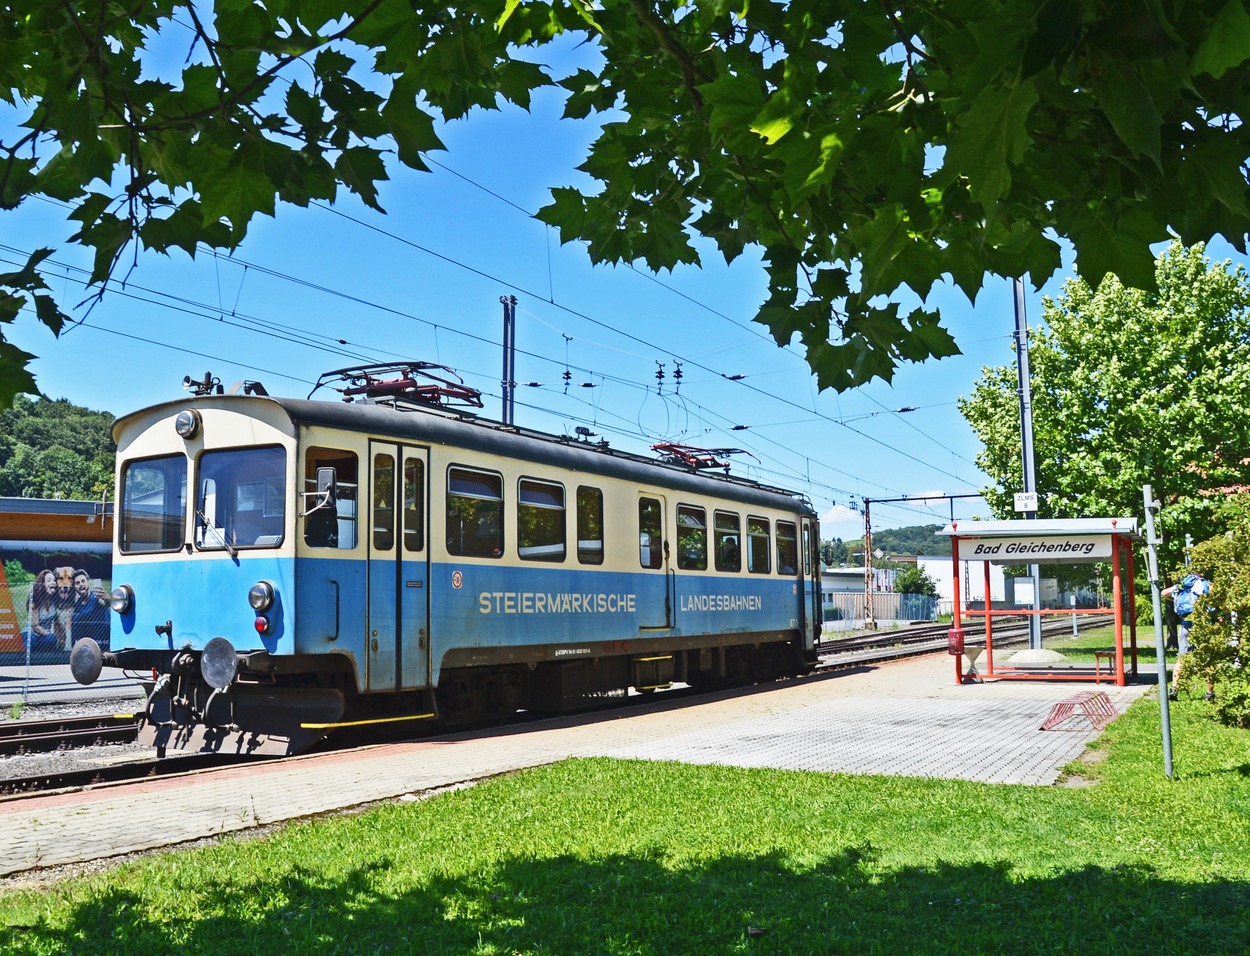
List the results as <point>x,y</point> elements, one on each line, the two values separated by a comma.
<point>1219,646</point>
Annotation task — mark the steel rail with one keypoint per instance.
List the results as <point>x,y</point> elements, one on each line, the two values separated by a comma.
<point>66,733</point>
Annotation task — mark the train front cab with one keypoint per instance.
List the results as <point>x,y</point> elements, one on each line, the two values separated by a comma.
<point>205,566</point>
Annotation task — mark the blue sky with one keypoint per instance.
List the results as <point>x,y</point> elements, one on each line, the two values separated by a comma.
<point>316,289</point>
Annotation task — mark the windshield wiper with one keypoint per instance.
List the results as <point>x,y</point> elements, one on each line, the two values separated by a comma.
<point>218,532</point>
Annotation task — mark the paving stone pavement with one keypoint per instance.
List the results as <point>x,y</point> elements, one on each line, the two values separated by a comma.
<point>902,718</point>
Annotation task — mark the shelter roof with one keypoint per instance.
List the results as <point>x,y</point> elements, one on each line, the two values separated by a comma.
<point>1041,527</point>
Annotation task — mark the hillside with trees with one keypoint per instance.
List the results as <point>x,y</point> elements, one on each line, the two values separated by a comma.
<point>910,541</point>
<point>55,449</point>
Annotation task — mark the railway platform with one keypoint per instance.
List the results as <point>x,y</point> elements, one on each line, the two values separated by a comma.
<point>903,718</point>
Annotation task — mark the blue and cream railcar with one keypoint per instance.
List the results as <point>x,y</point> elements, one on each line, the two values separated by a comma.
<point>287,566</point>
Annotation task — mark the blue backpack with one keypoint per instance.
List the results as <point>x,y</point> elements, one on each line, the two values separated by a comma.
<point>1192,587</point>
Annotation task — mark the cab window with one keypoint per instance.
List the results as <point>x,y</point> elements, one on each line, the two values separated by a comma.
<point>240,499</point>
<point>154,504</point>
<point>330,525</point>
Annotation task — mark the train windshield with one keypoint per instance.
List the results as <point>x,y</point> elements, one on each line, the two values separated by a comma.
<point>240,499</point>
<point>154,504</point>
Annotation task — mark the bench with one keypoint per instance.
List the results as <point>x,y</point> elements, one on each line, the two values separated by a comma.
<point>1099,657</point>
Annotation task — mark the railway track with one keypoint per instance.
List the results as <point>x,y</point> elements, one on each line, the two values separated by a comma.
<point>119,773</point>
<point>928,638</point>
<point>68,733</point>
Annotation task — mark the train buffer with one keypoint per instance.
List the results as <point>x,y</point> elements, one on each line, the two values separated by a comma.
<point>1093,705</point>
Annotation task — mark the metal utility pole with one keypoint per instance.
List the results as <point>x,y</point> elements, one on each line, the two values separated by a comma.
<point>868,555</point>
<point>1152,565</point>
<point>1026,444</point>
<point>509,356</point>
<point>869,620</point>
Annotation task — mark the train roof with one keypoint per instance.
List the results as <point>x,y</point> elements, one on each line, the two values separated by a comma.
<point>425,425</point>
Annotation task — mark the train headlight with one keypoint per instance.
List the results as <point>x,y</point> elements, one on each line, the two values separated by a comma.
<point>122,599</point>
<point>187,424</point>
<point>261,596</point>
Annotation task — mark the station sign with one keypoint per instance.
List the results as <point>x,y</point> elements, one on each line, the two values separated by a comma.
<point>1036,549</point>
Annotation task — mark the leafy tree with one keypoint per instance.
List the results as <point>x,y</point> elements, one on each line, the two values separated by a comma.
<point>913,580</point>
<point>1129,388</point>
<point>833,552</point>
<point>1219,645</point>
<point>865,148</point>
<point>52,449</point>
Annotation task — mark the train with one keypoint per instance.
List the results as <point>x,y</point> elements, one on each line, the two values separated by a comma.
<point>287,568</point>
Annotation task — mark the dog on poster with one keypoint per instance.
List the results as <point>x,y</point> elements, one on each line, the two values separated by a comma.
<point>64,602</point>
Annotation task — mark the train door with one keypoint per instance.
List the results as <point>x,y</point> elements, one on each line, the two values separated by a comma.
<point>398,655</point>
<point>655,596</point>
<point>811,583</point>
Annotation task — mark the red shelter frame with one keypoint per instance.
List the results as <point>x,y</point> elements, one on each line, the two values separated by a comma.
<point>1066,541</point>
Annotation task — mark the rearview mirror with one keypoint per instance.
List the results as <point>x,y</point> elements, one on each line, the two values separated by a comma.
<point>327,488</point>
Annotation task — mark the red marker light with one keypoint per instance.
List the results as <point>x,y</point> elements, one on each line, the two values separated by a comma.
<point>262,624</point>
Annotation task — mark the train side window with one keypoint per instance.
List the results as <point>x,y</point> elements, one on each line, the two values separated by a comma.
<point>589,525</point>
<point>691,538</point>
<point>757,545</point>
<point>540,520</point>
<point>333,526</point>
<point>787,548</point>
<point>808,548</point>
<point>728,542</point>
<point>383,502</point>
<point>414,504</point>
<point>474,513</point>
<point>650,533</point>
<point>154,504</point>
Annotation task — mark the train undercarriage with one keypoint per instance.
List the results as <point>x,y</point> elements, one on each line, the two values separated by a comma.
<point>220,701</point>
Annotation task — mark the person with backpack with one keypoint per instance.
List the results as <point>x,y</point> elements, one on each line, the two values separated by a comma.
<point>1184,597</point>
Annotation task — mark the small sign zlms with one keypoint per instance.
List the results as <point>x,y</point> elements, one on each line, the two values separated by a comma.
<point>1026,501</point>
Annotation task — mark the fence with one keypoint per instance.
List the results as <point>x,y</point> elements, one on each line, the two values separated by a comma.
<point>847,611</point>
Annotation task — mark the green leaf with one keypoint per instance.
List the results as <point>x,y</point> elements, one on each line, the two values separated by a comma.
<point>234,194</point>
<point>1116,240</point>
<point>588,93</point>
<point>15,377</point>
<point>49,314</point>
<point>567,212</point>
<point>411,126</point>
<point>733,102</point>
<point>989,139</point>
<point>1227,43</point>
<point>1127,102</point>
<point>358,168</point>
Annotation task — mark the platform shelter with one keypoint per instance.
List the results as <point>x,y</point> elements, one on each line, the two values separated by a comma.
<point>1051,541</point>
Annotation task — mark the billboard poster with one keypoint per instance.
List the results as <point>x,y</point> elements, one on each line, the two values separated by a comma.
<point>51,595</point>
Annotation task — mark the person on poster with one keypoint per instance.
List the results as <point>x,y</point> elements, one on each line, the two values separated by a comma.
<point>90,618</point>
<point>40,632</point>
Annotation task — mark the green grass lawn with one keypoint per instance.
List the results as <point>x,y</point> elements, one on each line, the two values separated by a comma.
<point>618,857</point>
<point>1103,638</point>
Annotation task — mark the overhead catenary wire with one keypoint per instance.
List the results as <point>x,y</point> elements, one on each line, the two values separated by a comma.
<point>275,329</point>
